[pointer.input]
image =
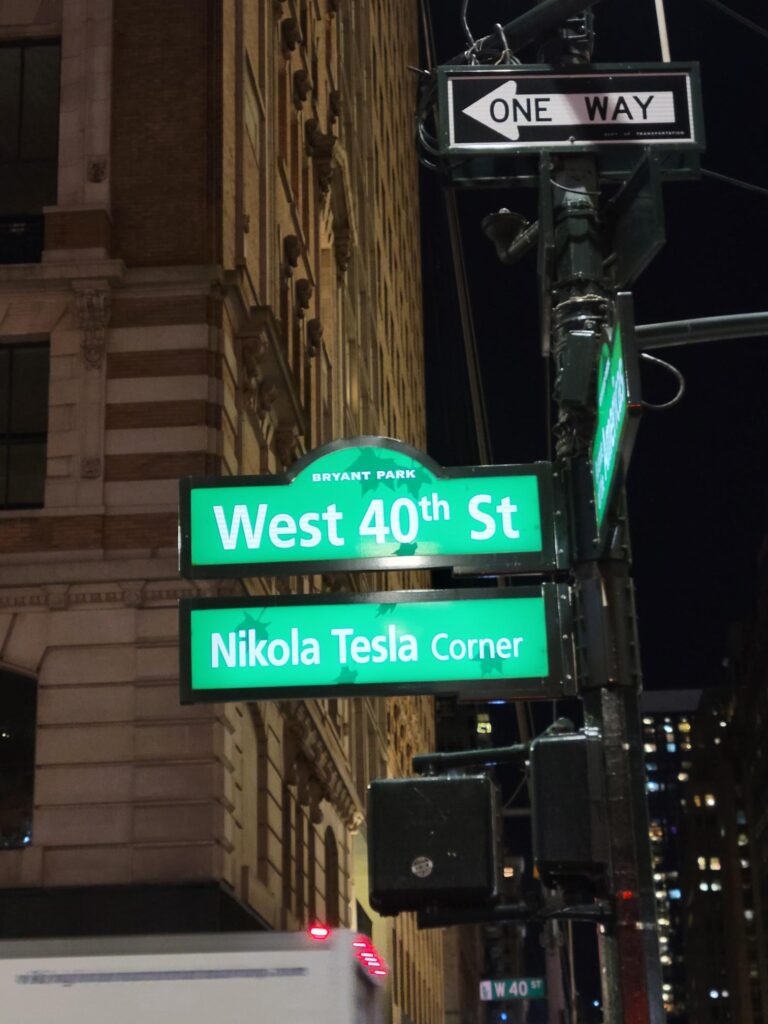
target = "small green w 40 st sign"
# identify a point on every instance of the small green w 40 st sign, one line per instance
(504, 989)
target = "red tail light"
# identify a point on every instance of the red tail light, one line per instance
(367, 955)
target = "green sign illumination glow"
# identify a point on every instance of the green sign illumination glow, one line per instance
(487, 642)
(368, 503)
(611, 417)
(615, 404)
(512, 988)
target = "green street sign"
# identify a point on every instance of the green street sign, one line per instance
(370, 503)
(504, 989)
(486, 643)
(618, 406)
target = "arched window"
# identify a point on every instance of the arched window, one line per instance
(287, 837)
(18, 708)
(262, 797)
(299, 884)
(332, 915)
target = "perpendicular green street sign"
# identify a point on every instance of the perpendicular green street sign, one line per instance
(503, 989)
(485, 643)
(370, 503)
(618, 407)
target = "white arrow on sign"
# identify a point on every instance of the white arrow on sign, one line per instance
(505, 112)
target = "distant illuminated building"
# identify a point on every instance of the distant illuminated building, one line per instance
(748, 671)
(667, 745)
(721, 942)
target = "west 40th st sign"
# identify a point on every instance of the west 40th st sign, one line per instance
(370, 503)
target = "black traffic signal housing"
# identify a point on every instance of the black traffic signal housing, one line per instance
(568, 812)
(433, 842)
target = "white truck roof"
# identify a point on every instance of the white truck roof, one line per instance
(264, 977)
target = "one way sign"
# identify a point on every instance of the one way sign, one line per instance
(536, 108)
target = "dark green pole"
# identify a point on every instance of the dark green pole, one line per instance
(582, 306)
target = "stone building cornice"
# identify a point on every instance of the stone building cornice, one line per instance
(315, 766)
(116, 593)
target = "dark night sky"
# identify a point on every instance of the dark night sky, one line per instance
(698, 482)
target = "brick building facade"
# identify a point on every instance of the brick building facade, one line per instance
(209, 264)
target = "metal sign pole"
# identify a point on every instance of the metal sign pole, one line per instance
(583, 308)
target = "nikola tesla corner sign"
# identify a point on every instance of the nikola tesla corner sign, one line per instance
(369, 504)
(477, 643)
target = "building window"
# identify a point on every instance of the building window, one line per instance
(18, 710)
(23, 423)
(29, 141)
(332, 915)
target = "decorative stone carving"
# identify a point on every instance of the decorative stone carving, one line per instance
(268, 388)
(132, 593)
(286, 445)
(94, 308)
(291, 253)
(316, 793)
(254, 350)
(325, 781)
(90, 468)
(290, 35)
(314, 337)
(303, 776)
(320, 146)
(57, 596)
(334, 105)
(267, 395)
(342, 238)
(302, 86)
(337, 583)
(97, 170)
(253, 382)
(304, 292)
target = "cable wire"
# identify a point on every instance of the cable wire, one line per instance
(661, 21)
(516, 793)
(739, 17)
(429, 42)
(735, 181)
(676, 373)
(578, 191)
(465, 25)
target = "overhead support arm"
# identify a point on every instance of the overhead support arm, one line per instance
(710, 328)
(534, 24)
